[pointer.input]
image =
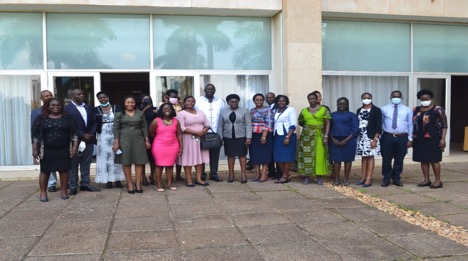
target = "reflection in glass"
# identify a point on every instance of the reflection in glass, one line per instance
(183, 84)
(16, 96)
(196, 42)
(98, 41)
(21, 41)
(65, 85)
(365, 46)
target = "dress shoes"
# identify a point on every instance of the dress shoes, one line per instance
(385, 184)
(52, 189)
(73, 191)
(44, 199)
(216, 178)
(436, 187)
(109, 185)
(397, 183)
(118, 184)
(203, 176)
(89, 188)
(427, 184)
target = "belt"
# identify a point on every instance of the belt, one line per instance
(396, 134)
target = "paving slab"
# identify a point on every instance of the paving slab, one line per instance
(210, 238)
(304, 250)
(428, 245)
(17, 247)
(192, 210)
(317, 215)
(73, 226)
(258, 219)
(64, 257)
(408, 199)
(363, 213)
(363, 249)
(31, 215)
(327, 232)
(165, 254)
(67, 244)
(339, 203)
(154, 223)
(437, 208)
(456, 220)
(202, 222)
(274, 234)
(235, 207)
(233, 253)
(141, 241)
(85, 213)
(391, 227)
(12, 228)
(245, 196)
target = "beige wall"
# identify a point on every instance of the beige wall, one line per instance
(302, 41)
(412, 9)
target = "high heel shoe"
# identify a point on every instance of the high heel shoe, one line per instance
(230, 179)
(283, 180)
(427, 184)
(360, 182)
(131, 191)
(243, 181)
(366, 185)
(263, 179)
(139, 190)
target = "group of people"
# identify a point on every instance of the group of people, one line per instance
(170, 134)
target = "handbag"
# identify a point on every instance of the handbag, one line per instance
(210, 140)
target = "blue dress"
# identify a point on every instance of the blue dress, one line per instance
(342, 125)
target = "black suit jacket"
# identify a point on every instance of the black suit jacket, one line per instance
(81, 127)
(375, 121)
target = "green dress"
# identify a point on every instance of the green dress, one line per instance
(312, 158)
(131, 132)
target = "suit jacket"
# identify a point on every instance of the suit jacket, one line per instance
(81, 127)
(375, 121)
(242, 124)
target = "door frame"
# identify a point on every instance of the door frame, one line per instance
(448, 96)
(96, 79)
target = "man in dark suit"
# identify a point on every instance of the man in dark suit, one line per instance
(82, 115)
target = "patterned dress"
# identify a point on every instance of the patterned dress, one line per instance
(106, 169)
(262, 119)
(312, 158)
(363, 142)
(427, 133)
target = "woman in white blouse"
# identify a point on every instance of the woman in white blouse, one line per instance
(284, 141)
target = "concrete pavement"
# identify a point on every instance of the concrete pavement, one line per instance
(253, 221)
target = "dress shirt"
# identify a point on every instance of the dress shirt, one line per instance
(211, 109)
(404, 119)
(82, 109)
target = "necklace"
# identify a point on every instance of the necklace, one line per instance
(314, 108)
(167, 122)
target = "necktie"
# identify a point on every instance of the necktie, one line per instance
(395, 116)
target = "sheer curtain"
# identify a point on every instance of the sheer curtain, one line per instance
(246, 86)
(15, 111)
(352, 87)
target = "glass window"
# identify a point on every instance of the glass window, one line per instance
(18, 95)
(365, 46)
(98, 41)
(222, 43)
(246, 86)
(21, 41)
(440, 48)
(352, 87)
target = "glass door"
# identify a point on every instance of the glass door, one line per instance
(182, 81)
(62, 83)
(440, 85)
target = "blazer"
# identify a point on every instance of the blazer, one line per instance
(375, 121)
(97, 116)
(242, 125)
(81, 127)
(284, 121)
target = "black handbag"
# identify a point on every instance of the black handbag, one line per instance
(210, 140)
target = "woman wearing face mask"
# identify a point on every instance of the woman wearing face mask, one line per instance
(430, 128)
(106, 170)
(368, 144)
(145, 104)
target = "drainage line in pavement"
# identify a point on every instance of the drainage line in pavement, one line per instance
(455, 233)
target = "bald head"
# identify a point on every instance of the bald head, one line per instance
(46, 95)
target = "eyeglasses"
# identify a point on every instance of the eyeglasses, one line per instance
(55, 105)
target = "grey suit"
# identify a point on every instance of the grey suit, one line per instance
(242, 124)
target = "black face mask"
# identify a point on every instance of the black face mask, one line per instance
(145, 102)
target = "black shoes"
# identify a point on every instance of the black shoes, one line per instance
(52, 189)
(215, 178)
(385, 183)
(397, 183)
(44, 199)
(73, 191)
(436, 187)
(109, 185)
(118, 184)
(427, 184)
(89, 188)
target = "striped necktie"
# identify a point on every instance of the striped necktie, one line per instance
(395, 117)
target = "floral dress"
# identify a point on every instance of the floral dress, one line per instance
(363, 142)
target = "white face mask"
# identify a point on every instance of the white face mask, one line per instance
(366, 101)
(396, 101)
(426, 103)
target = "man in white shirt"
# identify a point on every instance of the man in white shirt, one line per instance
(211, 106)
(396, 138)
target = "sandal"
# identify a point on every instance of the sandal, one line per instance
(336, 183)
(173, 188)
(159, 189)
(283, 180)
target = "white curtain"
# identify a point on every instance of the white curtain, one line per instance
(352, 87)
(246, 86)
(15, 112)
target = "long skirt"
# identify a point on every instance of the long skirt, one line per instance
(312, 156)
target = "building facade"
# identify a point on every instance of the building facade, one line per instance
(342, 48)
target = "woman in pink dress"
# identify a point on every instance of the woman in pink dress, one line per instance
(194, 125)
(167, 144)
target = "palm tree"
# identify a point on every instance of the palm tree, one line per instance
(253, 55)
